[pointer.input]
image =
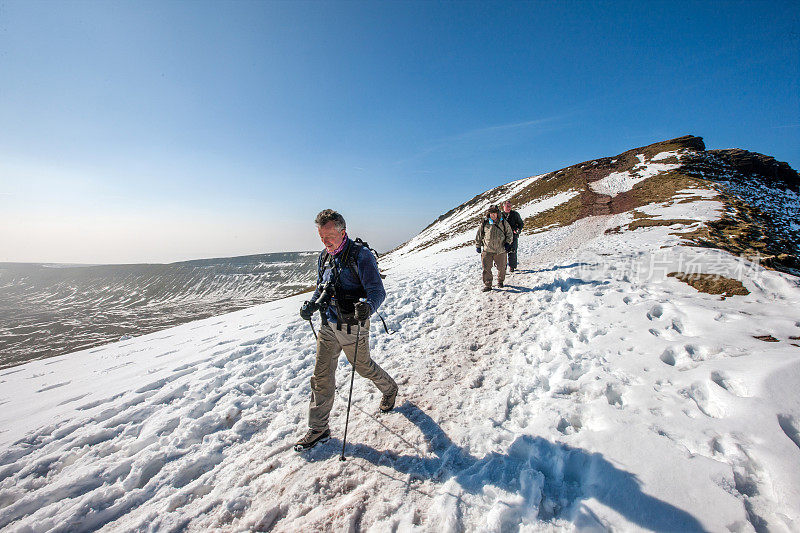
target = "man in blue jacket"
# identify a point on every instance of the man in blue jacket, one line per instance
(349, 290)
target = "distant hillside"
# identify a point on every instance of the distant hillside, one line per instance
(759, 194)
(48, 310)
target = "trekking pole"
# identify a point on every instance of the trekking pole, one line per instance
(350, 397)
(311, 323)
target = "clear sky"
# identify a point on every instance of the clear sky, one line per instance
(160, 131)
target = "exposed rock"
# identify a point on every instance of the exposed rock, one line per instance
(595, 204)
(770, 170)
(712, 284)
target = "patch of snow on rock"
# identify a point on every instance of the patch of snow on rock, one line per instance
(545, 204)
(619, 182)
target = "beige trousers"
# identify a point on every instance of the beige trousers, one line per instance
(499, 260)
(330, 342)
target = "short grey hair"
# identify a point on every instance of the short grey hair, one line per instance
(329, 215)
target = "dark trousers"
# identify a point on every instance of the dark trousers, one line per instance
(499, 260)
(512, 255)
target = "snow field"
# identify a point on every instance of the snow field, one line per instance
(592, 392)
(618, 182)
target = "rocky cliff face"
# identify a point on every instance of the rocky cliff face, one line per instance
(760, 167)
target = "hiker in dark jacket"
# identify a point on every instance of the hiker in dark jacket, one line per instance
(352, 272)
(493, 242)
(515, 221)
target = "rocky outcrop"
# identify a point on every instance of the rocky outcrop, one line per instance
(751, 164)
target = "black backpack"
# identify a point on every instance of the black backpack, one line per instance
(350, 260)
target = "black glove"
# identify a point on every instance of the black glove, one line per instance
(478, 248)
(509, 247)
(363, 310)
(307, 310)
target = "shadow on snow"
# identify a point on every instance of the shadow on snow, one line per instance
(560, 284)
(551, 269)
(551, 478)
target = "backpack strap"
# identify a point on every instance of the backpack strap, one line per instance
(499, 224)
(352, 263)
(321, 260)
(351, 257)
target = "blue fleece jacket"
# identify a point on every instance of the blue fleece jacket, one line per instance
(370, 278)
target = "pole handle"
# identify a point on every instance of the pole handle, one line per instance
(362, 322)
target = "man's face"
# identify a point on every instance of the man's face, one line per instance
(330, 236)
(507, 207)
(493, 215)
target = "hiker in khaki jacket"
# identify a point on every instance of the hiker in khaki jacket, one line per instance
(495, 237)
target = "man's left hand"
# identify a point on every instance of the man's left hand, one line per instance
(363, 310)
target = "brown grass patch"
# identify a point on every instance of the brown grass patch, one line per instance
(658, 189)
(712, 284)
(766, 338)
(643, 220)
(561, 215)
(652, 222)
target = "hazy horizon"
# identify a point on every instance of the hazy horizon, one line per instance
(61, 264)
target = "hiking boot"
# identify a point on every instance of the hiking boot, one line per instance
(387, 402)
(311, 439)
(500, 284)
(487, 289)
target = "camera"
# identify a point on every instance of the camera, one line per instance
(326, 292)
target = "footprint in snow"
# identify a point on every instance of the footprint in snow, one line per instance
(655, 312)
(724, 381)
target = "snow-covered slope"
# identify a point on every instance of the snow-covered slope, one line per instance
(48, 310)
(593, 392)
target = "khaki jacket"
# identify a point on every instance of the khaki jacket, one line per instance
(493, 237)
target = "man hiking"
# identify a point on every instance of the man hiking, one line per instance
(515, 221)
(493, 242)
(349, 290)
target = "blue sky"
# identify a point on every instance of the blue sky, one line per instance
(160, 131)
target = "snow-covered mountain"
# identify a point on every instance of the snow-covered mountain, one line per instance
(634, 374)
(48, 310)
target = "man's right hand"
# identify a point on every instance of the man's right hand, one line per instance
(478, 248)
(307, 310)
